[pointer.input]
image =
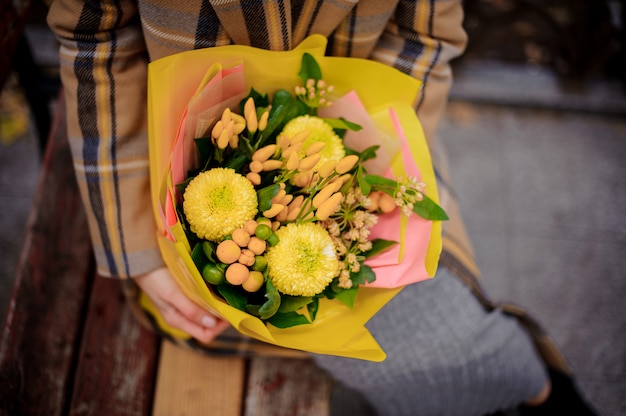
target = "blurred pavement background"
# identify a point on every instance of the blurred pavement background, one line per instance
(536, 137)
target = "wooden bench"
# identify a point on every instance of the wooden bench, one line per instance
(71, 346)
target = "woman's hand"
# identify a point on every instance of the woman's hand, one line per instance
(177, 309)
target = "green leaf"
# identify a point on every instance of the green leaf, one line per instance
(236, 162)
(313, 307)
(365, 274)
(183, 185)
(276, 119)
(299, 109)
(192, 237)
(342, 124)
(260, 100)
(205, 148)
(253, 310)
(364, 185)
(232, 296)
(369, 153)
(428, 209)
(379, 181)
(283, 98)
(329, 292)
(348, 296)
(208, 248)
(341, 133)
(293, 303)
(270, 307)
(310, 68)
(198, 257)
(379, 245)
(370, 276)
(265, 196)
(282, 106)
(288, 319)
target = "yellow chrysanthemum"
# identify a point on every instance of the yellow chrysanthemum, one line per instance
(304, 262)
(320, 132)
(218, 201)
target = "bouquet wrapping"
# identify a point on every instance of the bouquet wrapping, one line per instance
(188, 93)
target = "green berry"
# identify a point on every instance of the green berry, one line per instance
(213, 274)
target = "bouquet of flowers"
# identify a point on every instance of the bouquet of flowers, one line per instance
(290, 202)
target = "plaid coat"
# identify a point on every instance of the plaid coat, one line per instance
(107, 44)
(105, 48)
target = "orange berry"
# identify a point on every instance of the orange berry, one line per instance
(264, 153)
(237, 273)
(292, 148)
(386, 203)
(254, 281)
(314, 148)
(279, 195)
(345, 164)
(246, 257)
(263, 120)
(254, 178)
(273, 211)
(325, 193)
(217, 130)
(293, 161)
(228, 251)
(326, 169)
(282, 215)
(282, 141)
(256, 166)
(309, 162)
(374, 198)
(299, 137)
(250, 226)
(272, 164)
(301, 180)
(257, 245)
(329, 206)
(241, 237)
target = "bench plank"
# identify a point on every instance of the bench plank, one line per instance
(287, 387)
(42, 328)
(118, 358)
(189, 383)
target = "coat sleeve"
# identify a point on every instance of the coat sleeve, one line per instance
(421, 39)
(104, 76)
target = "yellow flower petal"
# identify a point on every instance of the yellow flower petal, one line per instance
(303, 262)
(218, 201)
(320, 131)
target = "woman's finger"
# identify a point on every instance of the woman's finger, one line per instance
(191, 310)
(176, 319)
(177, 309)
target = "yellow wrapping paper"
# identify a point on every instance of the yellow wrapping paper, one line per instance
(172, 83)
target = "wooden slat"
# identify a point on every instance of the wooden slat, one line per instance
(118, 358)
(287, 387)
(44, 319)
(190, 384)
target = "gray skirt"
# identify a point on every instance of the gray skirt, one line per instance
(446, 355)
